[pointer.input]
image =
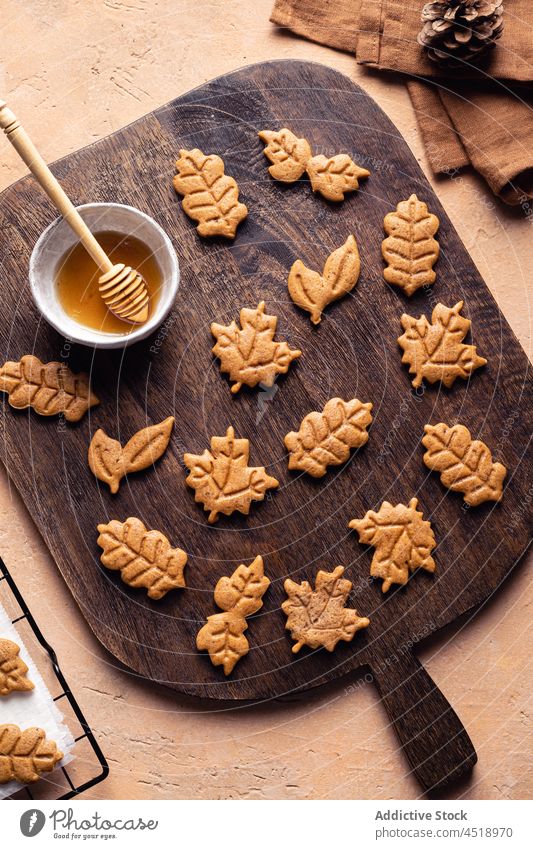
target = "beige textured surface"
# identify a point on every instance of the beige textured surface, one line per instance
(74, 72)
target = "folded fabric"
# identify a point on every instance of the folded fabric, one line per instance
(334, 24)
(387, 31)
(490, 127)
(468, 116)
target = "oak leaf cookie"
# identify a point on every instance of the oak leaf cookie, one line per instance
(13, 670)
(25, 755)
(333, 176)
(313, 291)
(403, 540)
(144, 558)
(410, 249)
(223, 481)
(238, 596)
(465, 464)
(325, 439)
(249, 353)
(436, 351)
(209, 195)
(318, 617)
(289, 155)
(110, 462)
(50, 388)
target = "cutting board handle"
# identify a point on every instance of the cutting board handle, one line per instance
(432, 736)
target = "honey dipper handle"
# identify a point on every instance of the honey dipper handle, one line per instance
(40, 170)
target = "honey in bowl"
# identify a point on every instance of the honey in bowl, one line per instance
(77, 278)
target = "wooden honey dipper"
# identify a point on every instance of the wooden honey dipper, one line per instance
(122, 288)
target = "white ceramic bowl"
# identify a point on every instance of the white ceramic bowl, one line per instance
(58, 238)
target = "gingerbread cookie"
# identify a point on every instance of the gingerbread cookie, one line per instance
(13, 670)
(109, 462)
(318, 617)
(49, 388)
(313, 291)
(238, 596)
(249, 353)
(143, 558)
(223, 481)
(289, 155)
(25, 755)
(209, 195)
(410, 249)
(325, 439)
(333, 176)
(403, 540)
(465, 464)
(436, 351)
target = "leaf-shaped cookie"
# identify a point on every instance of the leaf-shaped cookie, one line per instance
(13, 670)
(289, 155)
(333, 176)
(223, 481)
(318, 617)
(313, 291)
(210, 196)
(325, 438)
(238, 596)
(223, 637)
(465, 465)
(249, 353)
(244, 589)
(25, 755)
(410, 249)
(403, 540)
(436, 351)
(50, 388)
(109, 462)
(144, 558)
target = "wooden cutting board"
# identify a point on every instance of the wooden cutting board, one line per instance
(353, 353)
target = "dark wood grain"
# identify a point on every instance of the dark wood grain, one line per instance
(433, 737)
(353, 353)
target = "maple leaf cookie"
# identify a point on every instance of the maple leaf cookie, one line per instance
(318, 617)
(223, 481)
(249, 353)
(436, 351)
(403, 540)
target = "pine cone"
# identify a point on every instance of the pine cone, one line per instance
(457, 31)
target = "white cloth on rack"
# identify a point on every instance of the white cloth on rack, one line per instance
(33, 708)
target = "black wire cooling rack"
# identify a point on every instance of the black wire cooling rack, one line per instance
(89, 765)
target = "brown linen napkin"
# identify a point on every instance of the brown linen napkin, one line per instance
(491, 128)
(387, 40)
(477, 120)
